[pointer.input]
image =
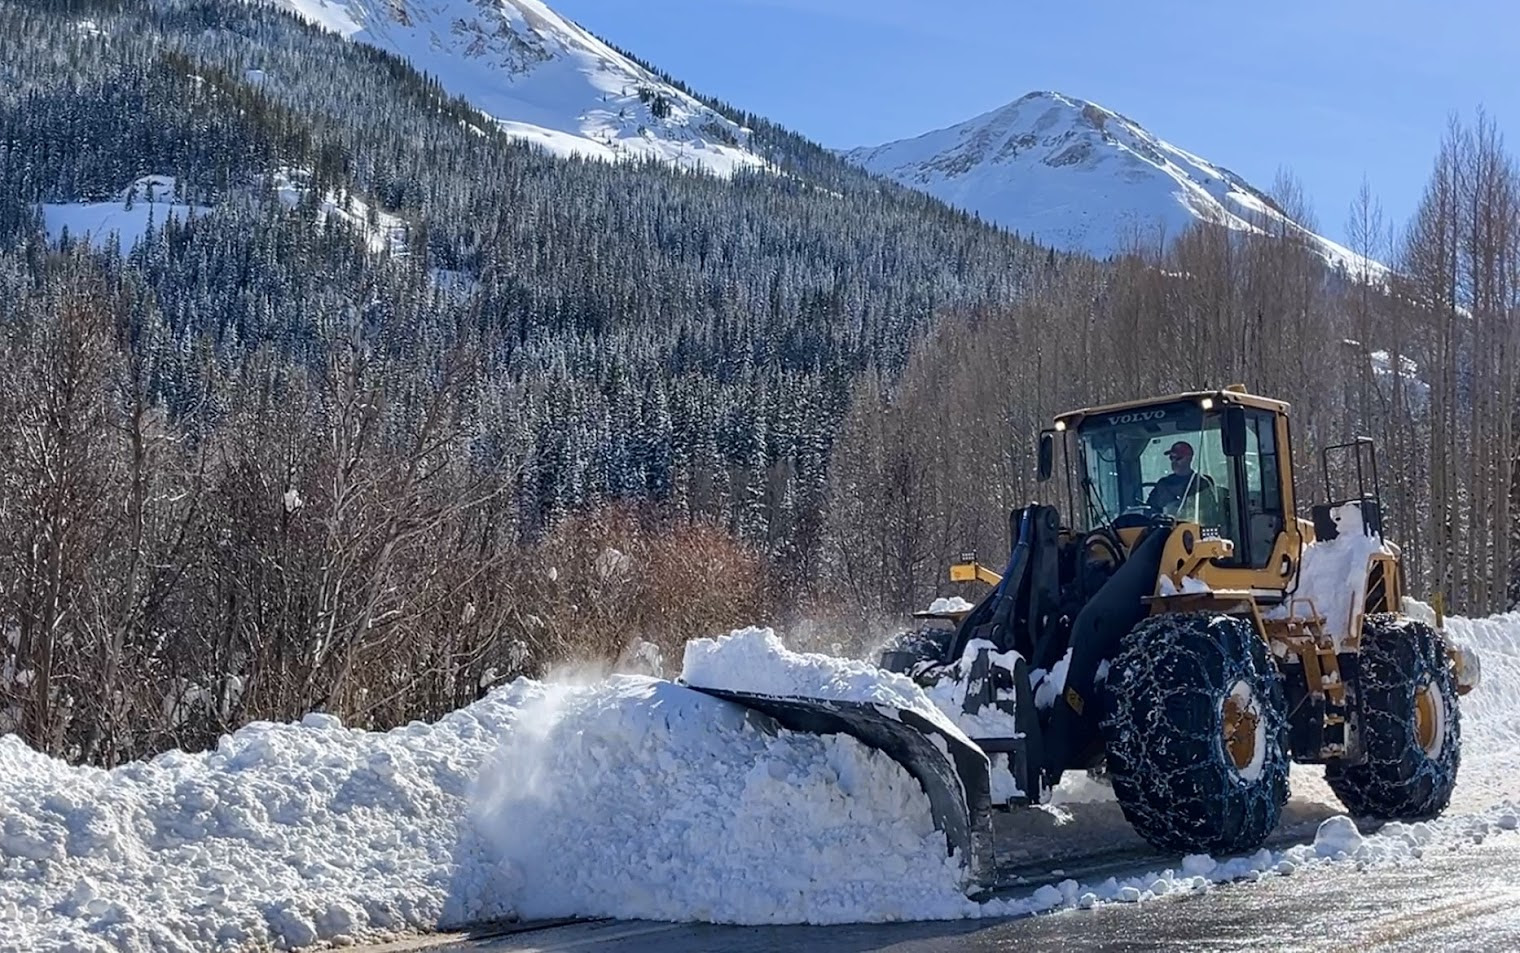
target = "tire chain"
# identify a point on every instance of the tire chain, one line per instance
(1398, 780)
(1174, 780)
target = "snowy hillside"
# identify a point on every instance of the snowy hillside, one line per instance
(1077, 176)
(542, 77)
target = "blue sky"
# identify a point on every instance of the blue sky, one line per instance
(1331, 90)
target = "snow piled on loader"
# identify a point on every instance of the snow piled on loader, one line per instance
(755, 660)
(628, 796)
(1334, 574)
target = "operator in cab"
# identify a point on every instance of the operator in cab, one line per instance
(1173, 488)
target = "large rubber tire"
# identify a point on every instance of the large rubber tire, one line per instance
(1412, 756)
(1197, 734)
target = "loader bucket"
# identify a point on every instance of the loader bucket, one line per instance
(955, 774)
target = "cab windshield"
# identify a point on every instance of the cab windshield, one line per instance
(1167, 459)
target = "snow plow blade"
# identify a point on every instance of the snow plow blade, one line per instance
(954, 774)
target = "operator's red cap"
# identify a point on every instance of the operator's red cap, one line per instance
(1180, 449)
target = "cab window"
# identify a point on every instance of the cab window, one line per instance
(1264, 505)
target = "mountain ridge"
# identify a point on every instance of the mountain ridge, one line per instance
(543, 79)
(1079, 176)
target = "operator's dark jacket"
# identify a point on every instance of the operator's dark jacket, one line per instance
(1169, 489)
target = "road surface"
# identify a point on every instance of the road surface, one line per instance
(1463, 896)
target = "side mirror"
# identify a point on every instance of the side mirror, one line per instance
(1233, 430)
(1046, 455)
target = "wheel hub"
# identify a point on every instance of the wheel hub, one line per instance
(1239, 728)
(1429, 719)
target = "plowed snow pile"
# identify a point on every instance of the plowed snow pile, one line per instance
(627, 797)
(639, 798)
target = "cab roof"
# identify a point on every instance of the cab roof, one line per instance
(1235, 394)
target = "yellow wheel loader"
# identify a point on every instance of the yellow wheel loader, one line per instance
(1182, 630)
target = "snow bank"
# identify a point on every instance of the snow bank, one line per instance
(627, 797)
(284, 835)
(1490, 770)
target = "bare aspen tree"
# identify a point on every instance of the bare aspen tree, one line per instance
(1491, 253)
(1430, 261)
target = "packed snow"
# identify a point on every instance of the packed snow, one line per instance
(1189, 584)
(949, 695)
(1078, 176)
(1048, 686)
(624, 796)
(987, 721)
(543, 79)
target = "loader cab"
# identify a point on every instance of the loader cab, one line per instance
(1234, 482)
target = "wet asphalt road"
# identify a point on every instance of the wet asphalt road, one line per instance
(1458, 897)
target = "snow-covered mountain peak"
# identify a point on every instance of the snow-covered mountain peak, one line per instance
(1076, 175)
(543, 78)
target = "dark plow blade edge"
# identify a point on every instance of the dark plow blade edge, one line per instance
(958, 785)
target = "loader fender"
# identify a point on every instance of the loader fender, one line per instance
(1095, 635)
(955, 774)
